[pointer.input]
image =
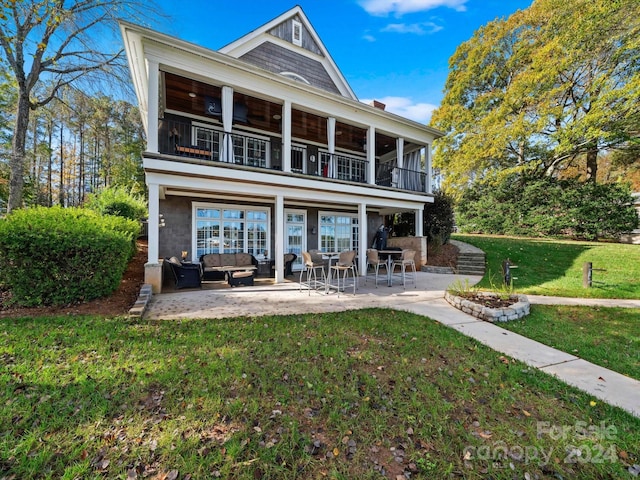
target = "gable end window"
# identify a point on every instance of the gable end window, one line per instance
(296, 33)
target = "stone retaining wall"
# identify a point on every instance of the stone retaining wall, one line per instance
(513, 312)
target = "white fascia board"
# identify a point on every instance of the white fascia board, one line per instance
(211, 178)
(137, 67)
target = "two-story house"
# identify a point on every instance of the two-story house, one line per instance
(262, 146)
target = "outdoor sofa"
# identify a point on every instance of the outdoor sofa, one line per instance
(239, 268)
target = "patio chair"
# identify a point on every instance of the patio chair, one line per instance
(186, 275)
(319, 258)
(310, 268)
(405, 261)
(289, 258)
(344, 265)
(374, 261)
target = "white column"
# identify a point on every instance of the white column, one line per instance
(227, 124)
(152, 106)
(331, 134)
(428, 171)
(419, 216)
(286, 136)
(331, 145)
(153, 223)
(371, 155)
(400, 152)
(363, 244)
(279, 238)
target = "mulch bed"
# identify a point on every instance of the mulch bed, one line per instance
(489, 301)
(443, 256)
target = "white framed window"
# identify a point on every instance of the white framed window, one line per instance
(252, 151)
(296, 33)
(338, 231)
(206, 138)
(298, 158)
(221, 228)
(343, 167)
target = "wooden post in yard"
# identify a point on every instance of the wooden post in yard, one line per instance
(587, 274)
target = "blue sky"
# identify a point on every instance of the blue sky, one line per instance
(394, 51)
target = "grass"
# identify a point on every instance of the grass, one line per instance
(365, 394)
(554, 267)
(609, 337)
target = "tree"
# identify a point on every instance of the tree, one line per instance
(48, 44)
(546, 87)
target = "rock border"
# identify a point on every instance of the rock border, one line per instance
(505, 314)
(138, 309)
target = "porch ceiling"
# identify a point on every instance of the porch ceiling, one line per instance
(187, 95)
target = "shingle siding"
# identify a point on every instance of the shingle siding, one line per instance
(277, 59)
(284, 31)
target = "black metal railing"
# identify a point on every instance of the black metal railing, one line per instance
(388, 175)
(198, 142)
(343, 167)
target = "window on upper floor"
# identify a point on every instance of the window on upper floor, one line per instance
(296, 33)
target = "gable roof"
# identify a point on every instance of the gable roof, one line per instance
(271, 47)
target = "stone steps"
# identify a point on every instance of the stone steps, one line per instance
(471, 260)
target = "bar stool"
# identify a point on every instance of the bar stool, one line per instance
(344, 265)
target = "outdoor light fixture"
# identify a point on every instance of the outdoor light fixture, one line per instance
(192, 94)
(277, 117)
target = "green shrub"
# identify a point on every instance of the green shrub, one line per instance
(58, 256)
(525, 205)
(439, 219)
(119, 202)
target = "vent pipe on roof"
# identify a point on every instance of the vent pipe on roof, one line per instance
(378, 104)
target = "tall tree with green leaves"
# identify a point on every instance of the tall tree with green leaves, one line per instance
(535, 92)
(48, 44)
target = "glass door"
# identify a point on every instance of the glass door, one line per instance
(295, 237)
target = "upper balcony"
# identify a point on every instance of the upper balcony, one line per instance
(256, 132)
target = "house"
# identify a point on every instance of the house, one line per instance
(263, 147)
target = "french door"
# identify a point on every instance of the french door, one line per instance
(295, 237)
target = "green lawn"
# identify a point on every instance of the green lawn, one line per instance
(365, 394)
(554, 267)
(609, 337)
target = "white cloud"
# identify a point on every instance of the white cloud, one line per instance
(405, 107)
(423, 28)
(368, 37)
(400, 7)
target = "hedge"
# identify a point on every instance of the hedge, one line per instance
(60, 256)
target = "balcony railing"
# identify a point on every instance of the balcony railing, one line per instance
(202, 143)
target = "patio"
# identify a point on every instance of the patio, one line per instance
(218, 300)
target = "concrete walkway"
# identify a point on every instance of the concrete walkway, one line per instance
(426, 298)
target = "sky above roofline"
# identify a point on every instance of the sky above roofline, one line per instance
(393, 51)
